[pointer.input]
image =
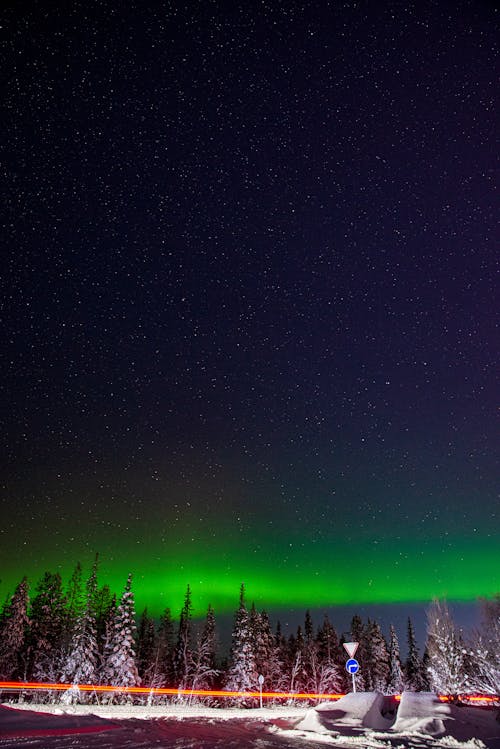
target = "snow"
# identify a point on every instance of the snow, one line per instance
(359, 721)
(352, 714)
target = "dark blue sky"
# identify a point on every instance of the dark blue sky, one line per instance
(248, 296)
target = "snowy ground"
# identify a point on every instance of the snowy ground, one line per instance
(357, 721)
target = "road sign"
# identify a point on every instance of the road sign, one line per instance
(352, 666)
(261, 679)
(351, 648)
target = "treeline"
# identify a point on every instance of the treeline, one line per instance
(84, 634)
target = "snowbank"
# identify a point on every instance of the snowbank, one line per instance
(421, 712)
(422, 721)
(349, 716)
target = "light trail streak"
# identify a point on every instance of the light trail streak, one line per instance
(20, 686)
(165, 691)
(486, 698)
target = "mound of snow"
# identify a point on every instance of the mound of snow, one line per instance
(352, 713)
(316, 721)
(424, 714)
(421, 712)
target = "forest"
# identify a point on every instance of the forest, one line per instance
(82, 633)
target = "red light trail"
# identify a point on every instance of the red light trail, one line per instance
(19, 686)
(165, 691)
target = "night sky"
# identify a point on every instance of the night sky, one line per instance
(248, 299)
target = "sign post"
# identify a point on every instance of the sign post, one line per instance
(261, 681)
(352, 666)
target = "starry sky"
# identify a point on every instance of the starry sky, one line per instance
(247, 299)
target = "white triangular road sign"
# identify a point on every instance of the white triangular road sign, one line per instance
(351, 648)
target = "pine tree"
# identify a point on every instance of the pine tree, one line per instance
(14, 635)
(184, 647)
(108, 638)
(448, 666)
(328, 676)
(101, 606)
(75, 601)
(203, 667)
(320, 671)
(415, 680)
(425, 670)
(377, 659)
(119, 668)
(484, 649)
(279, 637)
(48, 619)
(395, 683)
(309, 648)
(358, 634)
(4, 610)
(328, 641)
(267, 661)
(285, 652)
(308, 627)
(208, 644)
(163, 669)
(242, 672)
(146, 648)
(297, 674)
(81, 661)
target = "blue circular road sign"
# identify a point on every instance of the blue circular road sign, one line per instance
(352, 666)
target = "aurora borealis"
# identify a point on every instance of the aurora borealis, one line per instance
(248, 301)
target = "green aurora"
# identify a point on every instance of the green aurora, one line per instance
(302, 576)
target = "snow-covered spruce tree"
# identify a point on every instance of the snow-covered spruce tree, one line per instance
(310, 658)
(328, 641)
(321, 671)
(295, 666)
(48, 619)
(107, 644)
(359, 634)
(490, 626)
(484, 649)
(395, 682)
(267, 661)
(3, 610)
(101, 604)
(14, 635)
(75, 599)
(242, 671)
(203, 669)
(308, 628)
(447, 655)
(119, 668)
(415, 678)
(163, 671)
(332, 678)
(425, 669)
(184, 647)
(281, 644)
(80, 663)
(146, 647)
(292, 660)
(285, 654)
(377, 659)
